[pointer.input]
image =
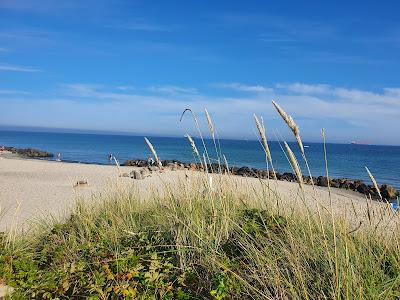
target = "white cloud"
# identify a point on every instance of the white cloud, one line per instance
(347, 114)
(170, 89)
(12, 68)
(13, 92)
(242, 87)
(126, 88)
(303, 88)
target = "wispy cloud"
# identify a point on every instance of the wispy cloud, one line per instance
(13, 68)
(13, 92)
(242, 87)
(303, 88)
(170, 89)
(388, 96)
(126, 88)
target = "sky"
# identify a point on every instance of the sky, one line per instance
(134, 66)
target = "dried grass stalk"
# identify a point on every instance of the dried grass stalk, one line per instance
(292, 125)
(194, 148)
(226, 164)
(154, 153)
(374, 182)
(294, 164)
(210, 124)
(264, 141)
(199, 131)
(118, 167)
(212, 131)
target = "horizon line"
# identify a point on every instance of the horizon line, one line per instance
(40, 129)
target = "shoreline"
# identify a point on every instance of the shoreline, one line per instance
(388, 192)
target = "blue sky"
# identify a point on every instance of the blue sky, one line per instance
(133, 66)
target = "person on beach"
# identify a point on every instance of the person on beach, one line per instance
(58, 156)
(150, 161)
(110, 158)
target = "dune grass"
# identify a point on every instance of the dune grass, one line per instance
(203, 241)
(197, 244)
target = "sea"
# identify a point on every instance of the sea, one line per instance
(344, 160)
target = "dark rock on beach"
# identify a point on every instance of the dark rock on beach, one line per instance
(388, 192)
(362, 188)
(29, 152)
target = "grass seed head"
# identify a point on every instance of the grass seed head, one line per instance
(153, 151)
(294, 164)
(374, 182)
(291, 124)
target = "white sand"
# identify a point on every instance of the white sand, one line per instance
(32, 189)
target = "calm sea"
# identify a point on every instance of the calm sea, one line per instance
(345, 160)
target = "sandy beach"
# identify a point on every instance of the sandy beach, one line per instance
(35, 189)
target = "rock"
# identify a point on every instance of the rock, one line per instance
(363, 189)
(354, 184)
(135, 163)
(135, 174)
(307, 180)
(334, 183)
(244, 171)
(388, 192)
(192, 167)
(30, 152)
(144, 172)
(153, 168)
(344, 183)
(322, 181)
(288, 177)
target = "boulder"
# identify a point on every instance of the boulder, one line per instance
(30, 152)
(135, 174)
(322, 181)
(388, 192)
(144, 172)
(288, 177)
(192, 167)
(244, 171)
(135, 163)
(344, 183)
(354, 184)
(334, 183)
(363, 189)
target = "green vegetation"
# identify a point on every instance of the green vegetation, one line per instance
(196, 244)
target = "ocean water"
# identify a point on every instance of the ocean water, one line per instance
(344, 160)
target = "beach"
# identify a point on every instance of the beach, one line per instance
(32, 190)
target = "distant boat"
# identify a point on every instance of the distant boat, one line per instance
(306, 146)
(359, 143)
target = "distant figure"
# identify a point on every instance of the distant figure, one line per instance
(2, 148)
(58, 156)
(110, 158)
(150, 161)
